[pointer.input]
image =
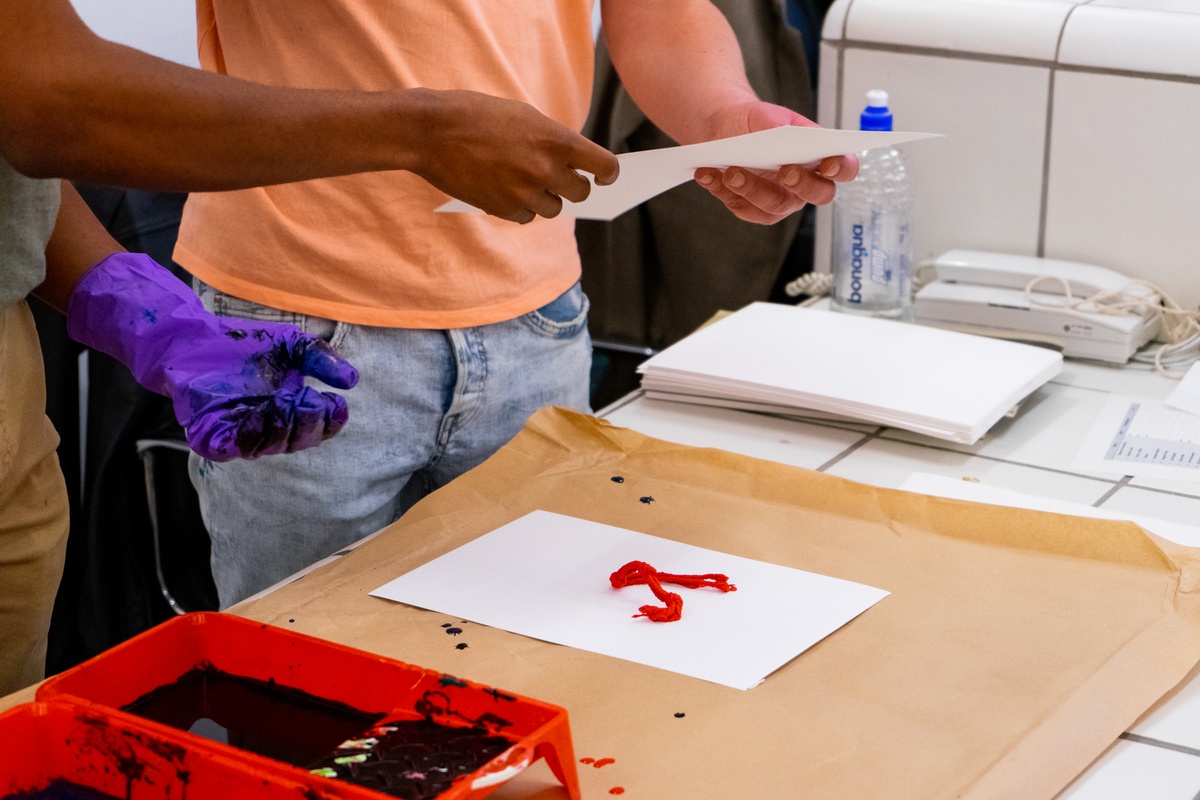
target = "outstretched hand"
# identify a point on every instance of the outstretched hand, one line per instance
(507, 158)
(764, 196)
(237, 386)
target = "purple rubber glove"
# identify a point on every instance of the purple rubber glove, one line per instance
(237, 385)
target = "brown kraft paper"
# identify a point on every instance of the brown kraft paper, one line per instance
(1015, 645)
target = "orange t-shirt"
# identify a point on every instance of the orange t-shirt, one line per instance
(369, 248)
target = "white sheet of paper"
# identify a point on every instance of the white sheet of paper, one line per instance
(546, 576)
(1141, 437)
(939, 486)
(1186, 396)
(648, 173)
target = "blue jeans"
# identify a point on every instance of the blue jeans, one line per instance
(430, 405)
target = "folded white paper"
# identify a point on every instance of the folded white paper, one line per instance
(648, 173)
(1186, 396)
(941, 383)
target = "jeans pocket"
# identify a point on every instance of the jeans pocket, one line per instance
(226, 305)
(564, 317)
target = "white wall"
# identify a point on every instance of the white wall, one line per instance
(165, 28)
(1071, 125)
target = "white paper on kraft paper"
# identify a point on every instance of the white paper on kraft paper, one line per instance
(648, 173)
(546, 576)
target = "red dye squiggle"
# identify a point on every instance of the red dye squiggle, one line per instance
(636, 573)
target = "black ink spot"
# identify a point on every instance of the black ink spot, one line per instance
(235, 334)
(454, 631)
(291, 620)
(679, 715)
(460, 646)
(647, 499)
(617, 479)
(445, 624)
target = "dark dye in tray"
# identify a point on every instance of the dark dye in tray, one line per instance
(413, 759)
(260, 716)
(60, 789)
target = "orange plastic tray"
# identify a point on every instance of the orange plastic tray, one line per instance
(326, 670)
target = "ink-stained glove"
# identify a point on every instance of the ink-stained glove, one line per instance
(237, 385)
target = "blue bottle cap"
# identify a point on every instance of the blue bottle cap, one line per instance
(876, 116)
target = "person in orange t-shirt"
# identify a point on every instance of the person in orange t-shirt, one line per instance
(461, 325)
(75, 106)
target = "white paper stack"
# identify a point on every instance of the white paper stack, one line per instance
(797, 360)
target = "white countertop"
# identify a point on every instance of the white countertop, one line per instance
(1160, 756)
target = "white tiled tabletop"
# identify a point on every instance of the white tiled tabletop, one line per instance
(1032, 453)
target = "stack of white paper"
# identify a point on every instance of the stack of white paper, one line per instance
(781, 358)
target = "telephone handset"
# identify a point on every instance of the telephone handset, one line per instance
(1010, 271)
(1025, 298)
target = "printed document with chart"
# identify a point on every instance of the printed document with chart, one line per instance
(1142, 437)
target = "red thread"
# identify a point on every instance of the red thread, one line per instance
(636, 573)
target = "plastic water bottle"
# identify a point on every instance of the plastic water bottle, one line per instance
(872, 245)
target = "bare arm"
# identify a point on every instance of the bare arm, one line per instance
(77, 106)
(78, 243)
(680, 62)
(682, 65)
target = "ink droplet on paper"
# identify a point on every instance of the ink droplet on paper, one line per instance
(460, 646)
(445, 624)
(679, 715)
(617, 790)
(454, 631)
(604, 762)
(291, 620)
(587, 761)
(617, 479)
(647, 499)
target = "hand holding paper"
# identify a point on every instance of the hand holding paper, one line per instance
(506, 157)
(648, 173)
(769, 196)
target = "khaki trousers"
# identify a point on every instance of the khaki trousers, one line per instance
(33, 505)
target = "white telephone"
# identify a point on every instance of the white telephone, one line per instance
(1027, 298)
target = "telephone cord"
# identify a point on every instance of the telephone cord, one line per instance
(1179, 329)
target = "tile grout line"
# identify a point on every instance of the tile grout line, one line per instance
(1044, 208)
(1121, 484)
(620, 403)
(999, 460)
(992, 58)
(870, 437)
(1146, 740)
